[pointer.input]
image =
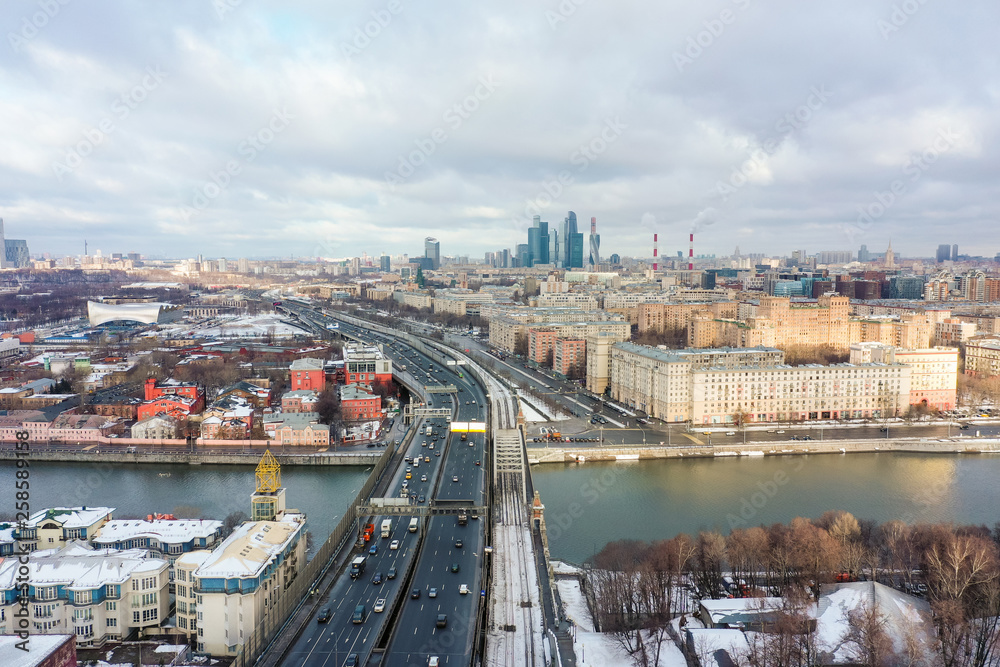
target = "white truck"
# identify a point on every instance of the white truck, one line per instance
(413, 525)
(429, 431)
(386, 527)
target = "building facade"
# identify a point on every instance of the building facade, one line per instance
(307, 374)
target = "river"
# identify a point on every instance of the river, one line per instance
(586, 505)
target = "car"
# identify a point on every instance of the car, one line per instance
(359, 614)
(706, 433)
(421, 498)
(730, 432)
(391, 574)
(373, 549)
(409, 475)
(433, 661)
(353, 660)
(379, 605)
(394, 545)
(463, 589)
(415, 593)
(780, 431)
(377, 579)
(442, 620)
(432, 593)
(427, 459)
(430, 446)
(471, 443)
(454, 567)
(964, 427)
(423, 478)
(454, 478)
(458, 544)
(466, 402)
(437, 453)
(423, 444)
(325, 615)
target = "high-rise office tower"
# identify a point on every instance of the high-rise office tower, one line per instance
(432, 251)
(943, 252)
(3, 247)
(954, 253)
(595, 244)
(523, 255)
(863, 254)
(572, 243)
(385, 263)
(538, 242)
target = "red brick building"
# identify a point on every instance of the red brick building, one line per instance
(357, 403)
(307, 373)
(570, 357)
(541, 345)
(366, 364)
(154, 389)
(177, 406)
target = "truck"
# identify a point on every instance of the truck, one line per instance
(368, 531)
(413, 525)
(429, 431)
(386, 527)
(357, 567)
(463, 518)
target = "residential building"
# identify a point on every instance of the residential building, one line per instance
(358, 403)
(982, 356)
(255, 395)
(570, 357)
(933, 376)
(302, 429)
(299, 400)
(166, 538)
(953, 331)
(728, 385)
(45, 650)
(224, 594)
(158, 427)
(97, 595)
(307, 374)
(70, 427)
(177, 406)
(541, 345)
(55, 527)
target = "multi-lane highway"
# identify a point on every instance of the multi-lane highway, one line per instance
(442, 555)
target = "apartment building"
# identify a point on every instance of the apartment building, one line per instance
(541, 345)
(222, 595)
(357, 402)
(567, 300)
(570, 357)
(299, 400)
(666, 316)
(163, 538)
(753, 385)
(97, 595)
(954, 331)
(598, 360)
(934, 371)
(55, 527)
(505, 331)
(982, 356)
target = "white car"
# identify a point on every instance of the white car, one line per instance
(463, 589)
(379, 605)
(394, 545)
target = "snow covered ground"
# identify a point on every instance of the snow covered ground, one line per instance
(594, 649)
(539, 411)
(233, 326)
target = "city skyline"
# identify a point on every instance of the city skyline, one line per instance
(235, 127)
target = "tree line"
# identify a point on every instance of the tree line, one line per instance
(639, 587)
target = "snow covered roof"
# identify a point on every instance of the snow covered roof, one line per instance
(251, 547)
(902, 614)
(77, 566)
(71, 517)
(730, 611)
(40, 649)
(716, 647)
(307, 364)
(165, 530)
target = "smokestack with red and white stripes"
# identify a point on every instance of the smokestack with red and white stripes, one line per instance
(691, 253)
(656, 252)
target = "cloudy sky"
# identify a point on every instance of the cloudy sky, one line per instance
(310, 128)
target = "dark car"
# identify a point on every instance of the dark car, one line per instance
(325, 615)
(421, 498)
(377, 579)
(458, 544)
(391, 574)
(442, 620)
(415, 593)
(454, 567)
(352, 660)
(373, 549)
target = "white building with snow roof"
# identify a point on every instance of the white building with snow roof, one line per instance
(97, 595)
(224, 594)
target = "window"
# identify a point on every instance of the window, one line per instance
(112, 622)
(111, 606)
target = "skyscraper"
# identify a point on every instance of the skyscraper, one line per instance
(943, 252)
(3, 246)
(863, 254)
(572, 243)
(954, 253)
(890, 257)
(385, 264)
(432, 251)
(538, 242)
(595, 244)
